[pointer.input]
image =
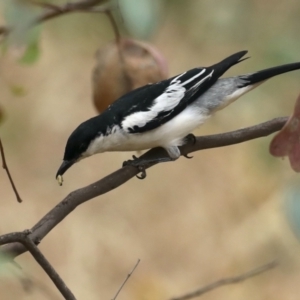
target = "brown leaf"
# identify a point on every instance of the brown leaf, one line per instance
(287, 141)
(123, 67)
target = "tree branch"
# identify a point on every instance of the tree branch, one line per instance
(126, 279)
(54, 11)
(5, 167)
(119, 177)
(79, 6)
(227, 281)
(24, 239)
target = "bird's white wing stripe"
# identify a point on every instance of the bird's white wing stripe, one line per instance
(176, 78)
(198, 83)
(194, 77)
(165, 102)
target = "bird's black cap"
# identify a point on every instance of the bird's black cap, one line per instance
(77, 144)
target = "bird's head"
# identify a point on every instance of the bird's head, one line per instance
(78, 147)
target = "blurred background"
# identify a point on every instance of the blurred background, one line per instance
(191, 222)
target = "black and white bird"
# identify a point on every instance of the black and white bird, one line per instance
(164, 113)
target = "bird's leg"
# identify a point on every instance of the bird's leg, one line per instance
(174, 152)
(141, 163)
(190, 138)
(135, 162)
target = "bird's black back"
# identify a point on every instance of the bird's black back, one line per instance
(142, 99)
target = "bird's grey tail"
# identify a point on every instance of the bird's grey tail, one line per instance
(268, 73)
(221, 67)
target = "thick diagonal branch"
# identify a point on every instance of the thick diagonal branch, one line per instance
(119, 177)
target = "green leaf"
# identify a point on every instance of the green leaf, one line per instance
(140, 16)
(5, 266)
(32, 53)
(18, 90)
(24, 38)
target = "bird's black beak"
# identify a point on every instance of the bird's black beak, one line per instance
(66, 164)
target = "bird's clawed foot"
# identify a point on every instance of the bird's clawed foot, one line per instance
(141, 164)
(135, 162)
(190, 138)
(187, 156)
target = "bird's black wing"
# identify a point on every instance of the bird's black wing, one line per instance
(156, 104)
(153, 105)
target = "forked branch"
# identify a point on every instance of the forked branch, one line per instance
(28, 244)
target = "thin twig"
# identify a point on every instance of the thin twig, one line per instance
(5, 167)
(126, 279)
(26, 241)
(46, 5)
(54, 11)
(119, 177)
(80, 6)
(114, 25)
(227, 281)
(117, 34)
